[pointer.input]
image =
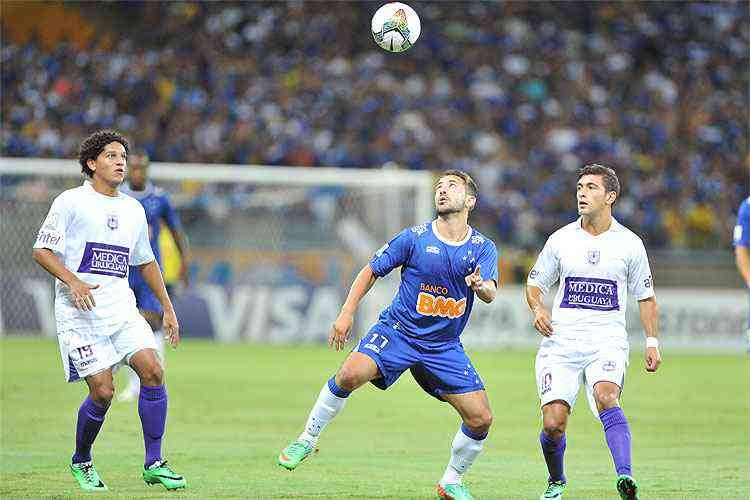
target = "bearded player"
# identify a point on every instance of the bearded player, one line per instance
(444, 265)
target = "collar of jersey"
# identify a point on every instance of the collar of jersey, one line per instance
(90, 187)
(451, 243)
(615, 226)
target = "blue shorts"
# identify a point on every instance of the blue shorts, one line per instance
(145, 299)
(439, 369)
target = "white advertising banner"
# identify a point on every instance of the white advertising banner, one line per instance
(696, 319)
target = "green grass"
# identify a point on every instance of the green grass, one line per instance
(234, 407)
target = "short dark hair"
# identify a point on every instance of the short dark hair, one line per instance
(609, 177)
(141, 153)
(93, 145)
(471, 186)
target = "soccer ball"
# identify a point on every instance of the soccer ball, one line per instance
(395, 27)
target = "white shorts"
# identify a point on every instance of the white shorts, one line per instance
(563, 365)
(86, 353)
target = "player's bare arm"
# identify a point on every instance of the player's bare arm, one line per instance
(152, 276)
(535, 300)
(486, 290)
(742, 258)
(649, 318)
(342, 327)
(80, 291)
(180, 241)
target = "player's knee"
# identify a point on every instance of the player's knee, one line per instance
(152, 375)
(102, 394)
(554, 427)
(606, 399)
(349, 378)
(480, 423)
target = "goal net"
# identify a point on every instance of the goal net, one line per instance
(273, 249)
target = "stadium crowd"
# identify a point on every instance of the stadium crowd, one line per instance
(518, 94)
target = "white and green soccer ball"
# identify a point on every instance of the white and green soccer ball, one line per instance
(395, 27)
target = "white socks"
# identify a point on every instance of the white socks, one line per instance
(463, 452)
(326, 407)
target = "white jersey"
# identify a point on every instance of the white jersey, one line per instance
(96, 237)
(595, 273)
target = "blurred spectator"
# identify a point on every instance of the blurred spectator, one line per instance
(519, 94)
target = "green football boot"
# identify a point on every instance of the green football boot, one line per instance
(627, 487)
(453, 492)
(160, 473)
(555, 489)
(87, 478)
(291, 456)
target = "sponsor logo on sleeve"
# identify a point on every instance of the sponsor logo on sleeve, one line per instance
(590, 293)
(477, 239)
(648, 282)
(432, 249)
(381, 250)
(420, 229)
(107, 260)
(51, 238)
(533, 274)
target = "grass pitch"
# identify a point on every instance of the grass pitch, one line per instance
(234, 407)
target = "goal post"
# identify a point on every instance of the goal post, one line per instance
(273, 248)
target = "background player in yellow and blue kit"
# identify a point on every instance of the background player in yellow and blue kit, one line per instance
(742, 249)
(159, 211)
(444, 264)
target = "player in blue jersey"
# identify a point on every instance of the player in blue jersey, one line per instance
(444, 265)
(159, 210)
(742, 249)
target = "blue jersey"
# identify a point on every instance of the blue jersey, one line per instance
(158, 208)
(433, 302)
(742, 228)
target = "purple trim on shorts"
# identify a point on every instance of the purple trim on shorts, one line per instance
(73, 374)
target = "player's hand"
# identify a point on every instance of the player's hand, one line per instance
(340, 331)
(81, 295)
(542, 321)
(171, 328)
(653, 359)
(185, 274)
(474, 280)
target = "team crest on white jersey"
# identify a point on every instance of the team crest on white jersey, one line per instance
(432, 249)
(112, 221)
(593, 256)
(420, 229)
